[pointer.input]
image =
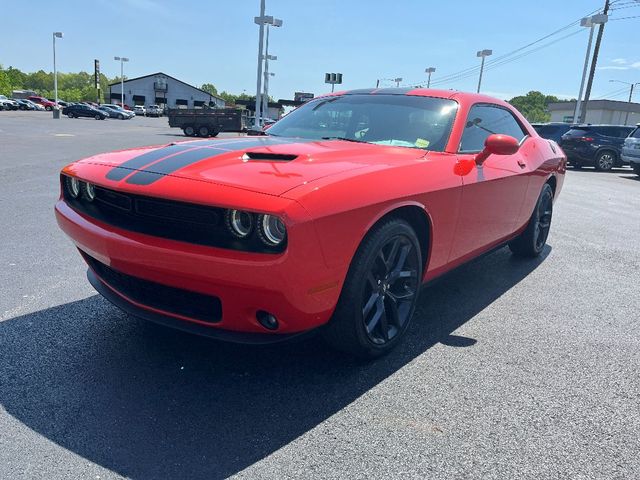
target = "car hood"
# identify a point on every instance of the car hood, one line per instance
(269, 165)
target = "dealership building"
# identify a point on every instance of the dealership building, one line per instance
(164, 90)
(608, 112)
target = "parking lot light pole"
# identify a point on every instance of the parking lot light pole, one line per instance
(122, 60)
(585, 22)
(397, 80)
(55, 70)
(264, 103)
(429, 71)
(632, 86)
(482, 54)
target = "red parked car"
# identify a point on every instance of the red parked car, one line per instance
(331, 220)
(47, 104)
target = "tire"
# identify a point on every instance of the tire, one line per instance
(214, 134)
(120, 116)
(48, 109)
(70, 115)
(203, 131)
(605, 161)
(189, 131)
(636, 168)
(380, 292)
(532, 240)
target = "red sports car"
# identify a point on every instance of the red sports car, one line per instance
(332, 220)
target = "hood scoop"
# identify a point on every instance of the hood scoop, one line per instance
(268, 157)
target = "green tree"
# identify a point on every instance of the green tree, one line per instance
(209, 88)
(533, 105)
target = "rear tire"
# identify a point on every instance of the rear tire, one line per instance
(120, 116)
(203, 131)
(189, 131)
(380, 292)
(532, 240)
(605, 161)
(636, 168)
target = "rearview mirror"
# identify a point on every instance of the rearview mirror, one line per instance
(497, 144)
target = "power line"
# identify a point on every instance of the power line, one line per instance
(464, 73)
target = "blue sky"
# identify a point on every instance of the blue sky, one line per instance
(216, 42)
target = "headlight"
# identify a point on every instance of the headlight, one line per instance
(90, 190)
(272, 230)
(73, 186)
(240, 223)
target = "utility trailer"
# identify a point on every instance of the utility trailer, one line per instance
(208, 122)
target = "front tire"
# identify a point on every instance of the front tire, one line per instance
(120, 117)
(203, 131)
(532, 240)
(380, 292)
(636, 168)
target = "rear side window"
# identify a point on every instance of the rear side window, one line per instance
(485, 120)
(635, 133)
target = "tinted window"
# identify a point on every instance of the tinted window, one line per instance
(395, 120)
(485, 120)
(547, 129)
(635, 133)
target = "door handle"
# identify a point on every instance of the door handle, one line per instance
(522, 163)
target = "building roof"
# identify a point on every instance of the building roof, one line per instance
(615, 105)
(168, 76)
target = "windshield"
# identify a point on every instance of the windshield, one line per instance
(395, 120)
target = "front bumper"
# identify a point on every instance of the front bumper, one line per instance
(296, 286)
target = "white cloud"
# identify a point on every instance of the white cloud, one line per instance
(612, 67)
(619, 61)
(635, 65)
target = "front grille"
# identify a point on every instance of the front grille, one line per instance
(189, 304)
(182, 221)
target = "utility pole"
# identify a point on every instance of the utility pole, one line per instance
(594, 61)
(482, 54)
(261, 22)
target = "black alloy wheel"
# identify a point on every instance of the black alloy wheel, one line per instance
(532, 240)
(380, 292)
(390, 289)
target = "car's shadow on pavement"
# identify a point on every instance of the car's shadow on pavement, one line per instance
(149, 402)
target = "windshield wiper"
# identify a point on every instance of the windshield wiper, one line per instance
(344, 138)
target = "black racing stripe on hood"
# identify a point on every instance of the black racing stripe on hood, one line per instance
(124, 169)
(201, 151)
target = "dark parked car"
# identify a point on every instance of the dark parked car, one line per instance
(26, 104)
(82, 110)
(552, 130)
(595, 145)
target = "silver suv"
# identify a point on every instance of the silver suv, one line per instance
(631, 150)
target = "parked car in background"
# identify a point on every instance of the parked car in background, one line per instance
(115, 112)
(599, 146)
(631, 149)
(9, 104)
(122, 113)
(82, 110)
(26, 104)
(154, 111)
(48, 105)
(140, 110)
(552, 130)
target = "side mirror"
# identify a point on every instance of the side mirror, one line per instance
(497, 144)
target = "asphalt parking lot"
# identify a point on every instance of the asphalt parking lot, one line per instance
(513, 369)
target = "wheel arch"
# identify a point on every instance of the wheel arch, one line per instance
(415, 215)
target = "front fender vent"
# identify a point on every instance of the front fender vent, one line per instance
(269, 157)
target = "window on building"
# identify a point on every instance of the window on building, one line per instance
(161, 101)
(198, 103)
(181, 102)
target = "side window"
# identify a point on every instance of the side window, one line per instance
(635, 133)
(485, 120)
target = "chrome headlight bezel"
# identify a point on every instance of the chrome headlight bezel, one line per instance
(240, 223)
(73, 186)
(272, 230)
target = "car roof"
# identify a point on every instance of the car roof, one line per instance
(468, 97)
